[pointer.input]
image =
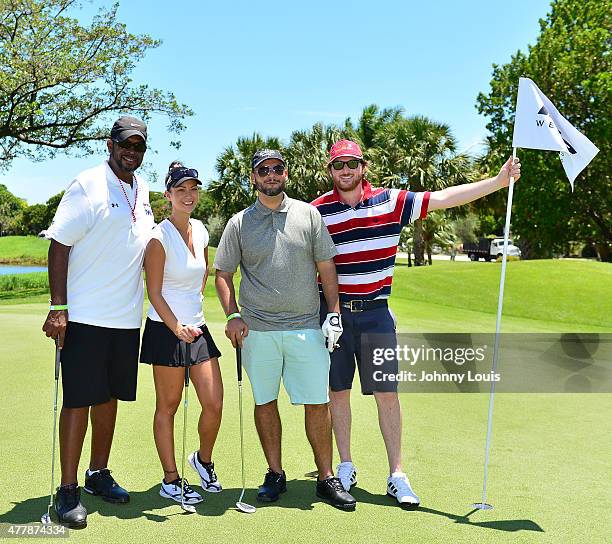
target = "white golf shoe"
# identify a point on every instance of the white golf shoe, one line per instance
(173, 491)
(347, 474)
(398, 486)
(208, 476)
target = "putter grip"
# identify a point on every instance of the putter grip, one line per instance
(239, 362)
(187, 362)
(57, 359)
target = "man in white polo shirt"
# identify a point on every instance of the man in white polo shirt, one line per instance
(98, 237)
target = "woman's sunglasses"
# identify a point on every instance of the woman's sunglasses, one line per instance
(180, 173)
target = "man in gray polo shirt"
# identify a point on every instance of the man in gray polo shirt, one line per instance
(280, 245)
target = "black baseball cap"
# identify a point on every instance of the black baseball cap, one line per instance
(127, 126)
(265, 154)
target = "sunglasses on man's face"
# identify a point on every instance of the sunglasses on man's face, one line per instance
(352, 164)
(140, 147)
(264, 171)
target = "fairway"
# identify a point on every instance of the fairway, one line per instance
(23, 250)
(550, 458)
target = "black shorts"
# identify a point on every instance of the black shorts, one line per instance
(160, 346)
(98, 364)
(365, 334)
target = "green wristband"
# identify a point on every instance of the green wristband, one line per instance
(233, 316)
(58, 307)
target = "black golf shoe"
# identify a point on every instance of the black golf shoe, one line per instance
(70, 512)
(103, 484)
(332, 491)
(274, 484)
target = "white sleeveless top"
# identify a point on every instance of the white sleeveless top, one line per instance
(183, 273)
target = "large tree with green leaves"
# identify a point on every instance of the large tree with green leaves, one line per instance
(572, 63)
(10, 207)
(419, 154)
(62, 83)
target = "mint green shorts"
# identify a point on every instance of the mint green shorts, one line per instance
(299, 357)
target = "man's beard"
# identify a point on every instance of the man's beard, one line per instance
(348, 189)
(129, 168)
(270, 191)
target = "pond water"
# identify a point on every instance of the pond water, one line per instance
(19, 269)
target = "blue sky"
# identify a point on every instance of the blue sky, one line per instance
(275, 67)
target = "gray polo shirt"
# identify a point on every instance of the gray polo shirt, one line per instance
(277, 251)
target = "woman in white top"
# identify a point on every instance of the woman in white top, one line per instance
(176, 265)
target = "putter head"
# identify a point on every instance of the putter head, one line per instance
(46, 519)
(246, 508)
(482, 506)
(187, 508)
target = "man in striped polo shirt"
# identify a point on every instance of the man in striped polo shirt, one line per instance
(365, 224)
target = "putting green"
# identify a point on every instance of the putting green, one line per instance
(550, 457)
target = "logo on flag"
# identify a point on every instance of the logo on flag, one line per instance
(551, 124)
(539, 125)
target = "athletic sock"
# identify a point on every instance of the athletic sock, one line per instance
(202, 462)
(92, 472)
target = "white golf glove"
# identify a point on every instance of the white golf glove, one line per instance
(332, 330)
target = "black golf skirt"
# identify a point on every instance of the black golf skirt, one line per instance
(160, 346)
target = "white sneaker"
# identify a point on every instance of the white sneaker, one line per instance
(347, 473)
(208, 476)
(398, 486)
(173, 491)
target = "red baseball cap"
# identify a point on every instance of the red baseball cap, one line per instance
(344, 148)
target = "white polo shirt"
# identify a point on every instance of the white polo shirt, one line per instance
(105, 285)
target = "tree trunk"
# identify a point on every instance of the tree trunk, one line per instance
(604, 252)
(419, 247)
(429, 256)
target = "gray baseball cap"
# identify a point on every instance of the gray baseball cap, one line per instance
(127, 126)
(265, 154)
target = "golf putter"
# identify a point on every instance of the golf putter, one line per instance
(46, 518)
(242, 506)
(186, 507)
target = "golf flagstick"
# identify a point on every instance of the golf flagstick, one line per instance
(187, 361)
(46, 518)
(500, 303)
(242, 506)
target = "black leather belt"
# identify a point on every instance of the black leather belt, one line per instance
(363, 305)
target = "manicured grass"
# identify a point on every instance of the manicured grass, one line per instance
(550, 457)
(23, 250)
(23, 285)
(558, 293)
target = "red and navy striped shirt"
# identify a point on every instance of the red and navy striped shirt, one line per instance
(367, 235)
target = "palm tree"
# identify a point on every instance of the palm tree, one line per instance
(233, 190)
(370, 124)
(307, 155)
(437, 230)
(419, 154)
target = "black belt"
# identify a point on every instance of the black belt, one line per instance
(363, 305)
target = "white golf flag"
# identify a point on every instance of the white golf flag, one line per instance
(539, 125)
